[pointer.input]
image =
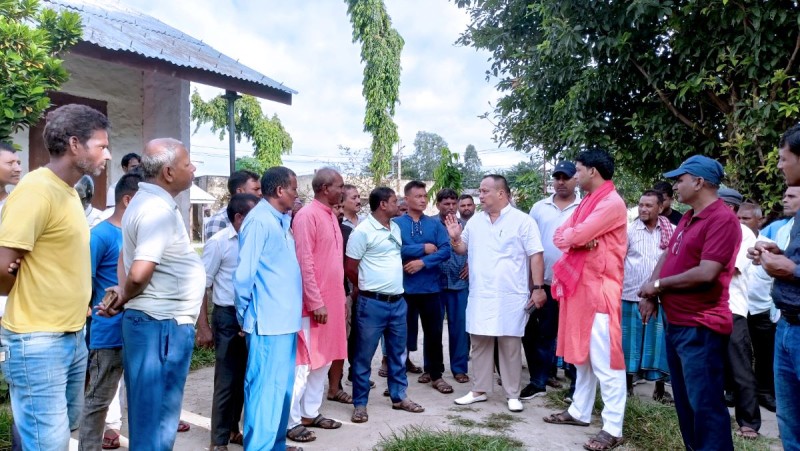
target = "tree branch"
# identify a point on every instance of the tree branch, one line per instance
(719, 103)
(773, 92)
(670, 106)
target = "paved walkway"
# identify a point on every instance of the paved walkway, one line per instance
(440, 412)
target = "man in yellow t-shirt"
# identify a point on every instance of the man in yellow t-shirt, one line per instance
(43, 348)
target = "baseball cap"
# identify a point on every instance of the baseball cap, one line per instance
(730, 196)
(566, 168)
(699, 166)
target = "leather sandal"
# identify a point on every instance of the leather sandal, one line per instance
(408, 405)
(300, 434)
(324, 423)
(359, 415)
(603, 441)
(564, 418)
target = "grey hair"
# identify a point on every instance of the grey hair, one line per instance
(153, 163)
(324, 176)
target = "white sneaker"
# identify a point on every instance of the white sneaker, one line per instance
(469, 398)
(515, 405)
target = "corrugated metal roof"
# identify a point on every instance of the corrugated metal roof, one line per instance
(114, 26)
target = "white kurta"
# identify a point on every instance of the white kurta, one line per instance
(499, 270)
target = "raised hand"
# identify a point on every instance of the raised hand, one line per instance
(453, 227)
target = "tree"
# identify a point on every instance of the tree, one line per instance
(652, 81)
(381, 46)
(250, 164)
(472, 168)
(426, 157)
(526, 184)
(31, 41)
(268, 136)
(448, 174)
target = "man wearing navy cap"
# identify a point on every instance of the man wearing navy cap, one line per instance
(691, 282)
(542, 328)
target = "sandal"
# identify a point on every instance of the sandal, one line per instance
(294, 448)
(359, 415)
(603, 441)
(183, 426)
(747, 433)
(342, 397)
(300, 434)
(408, 405)
(324, 423)
(111, 441)
(563, 418)
(664, 398)
(425, 378)
(411, 368)
(442, 387)
(237, 438)
(461, 378)
(384, 369)
(386, 393)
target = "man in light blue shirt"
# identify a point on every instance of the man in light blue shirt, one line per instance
(268, 302)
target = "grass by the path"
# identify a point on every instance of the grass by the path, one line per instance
(653, 426)
(5, 426)
(422, 439)
(201, 358)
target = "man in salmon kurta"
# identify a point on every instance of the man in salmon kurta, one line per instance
(322, 338)
(588, 285)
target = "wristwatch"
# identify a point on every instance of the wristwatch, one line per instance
(657, 285)
(537, 287)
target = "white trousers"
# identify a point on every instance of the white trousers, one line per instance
(612, 382)
(114, 414)
(309, 387)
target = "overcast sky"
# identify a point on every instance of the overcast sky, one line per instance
(307, 45)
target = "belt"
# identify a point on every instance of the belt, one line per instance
(381, 296)
(792, 318)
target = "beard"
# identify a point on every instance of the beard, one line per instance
(86, 167)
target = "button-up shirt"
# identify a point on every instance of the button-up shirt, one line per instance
(216, 223)
(786, 293)
(759, 286)
(643, 253)
(549, 217)
(268, 284)
(450, 278)
(380, 267)
(415, 234)
(499, 254)
(220, 257)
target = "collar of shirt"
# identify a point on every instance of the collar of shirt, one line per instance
(159, 192)
(503, 212)
(377, 225)
(711, 208)
(552, 201)
(231, 233)
(284, 219)
(324, 207)
(639, 225)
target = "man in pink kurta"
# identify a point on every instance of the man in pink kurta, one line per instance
(588, 285)
(322, 338)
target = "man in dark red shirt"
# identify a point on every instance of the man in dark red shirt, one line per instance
(691, 280)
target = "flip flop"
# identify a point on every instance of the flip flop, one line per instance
(183, 426)
(110, 442)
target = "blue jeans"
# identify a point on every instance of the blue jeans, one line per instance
(155, 356)
(268, 385)
(45, 372)
(787, 383)
(375, 319)
(454, 302)
(696, 358)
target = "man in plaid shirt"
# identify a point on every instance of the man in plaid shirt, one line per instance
(239, 182)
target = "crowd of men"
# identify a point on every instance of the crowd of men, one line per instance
(707, 301)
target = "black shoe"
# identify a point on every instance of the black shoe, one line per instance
(730, 401)
(767, 402)
(531, 391)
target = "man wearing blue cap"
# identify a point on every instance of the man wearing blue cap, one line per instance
(542, 328)
(691, 282)
(784, 266)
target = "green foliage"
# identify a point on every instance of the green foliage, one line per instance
(652, 81)
(268, 136)
(448, 174)
(472, 168)
(31, 40)
(5, 426)
(381, 46)
(526, 183)
(251, 164)
(420, 439)
(427, 156)
(202, 358)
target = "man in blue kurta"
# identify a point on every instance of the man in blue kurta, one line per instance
(269, 298)
(425, 246)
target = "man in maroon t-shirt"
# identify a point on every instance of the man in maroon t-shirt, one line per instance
(691, 280)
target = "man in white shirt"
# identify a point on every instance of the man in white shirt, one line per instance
(129, 162)
(741, 378)
(220, 257)
(162, 292)
(505, 250)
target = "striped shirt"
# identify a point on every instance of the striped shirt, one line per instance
(643, 254)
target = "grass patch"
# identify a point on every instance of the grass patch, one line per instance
(421, 439)
(653, 426)
(497, 422)
(5, 426)
(202, 357)
(463, 422)
(463, 409)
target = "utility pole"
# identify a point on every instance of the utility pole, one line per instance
(231, 97)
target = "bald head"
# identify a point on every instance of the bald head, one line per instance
(165, 162)
(327, 185)
(324, 176)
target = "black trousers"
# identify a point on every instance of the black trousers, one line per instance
(229, 371)
(540, 339)
(429, 306)
(740, 375)
(762, 334)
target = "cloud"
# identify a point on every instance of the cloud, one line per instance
(308, 46)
